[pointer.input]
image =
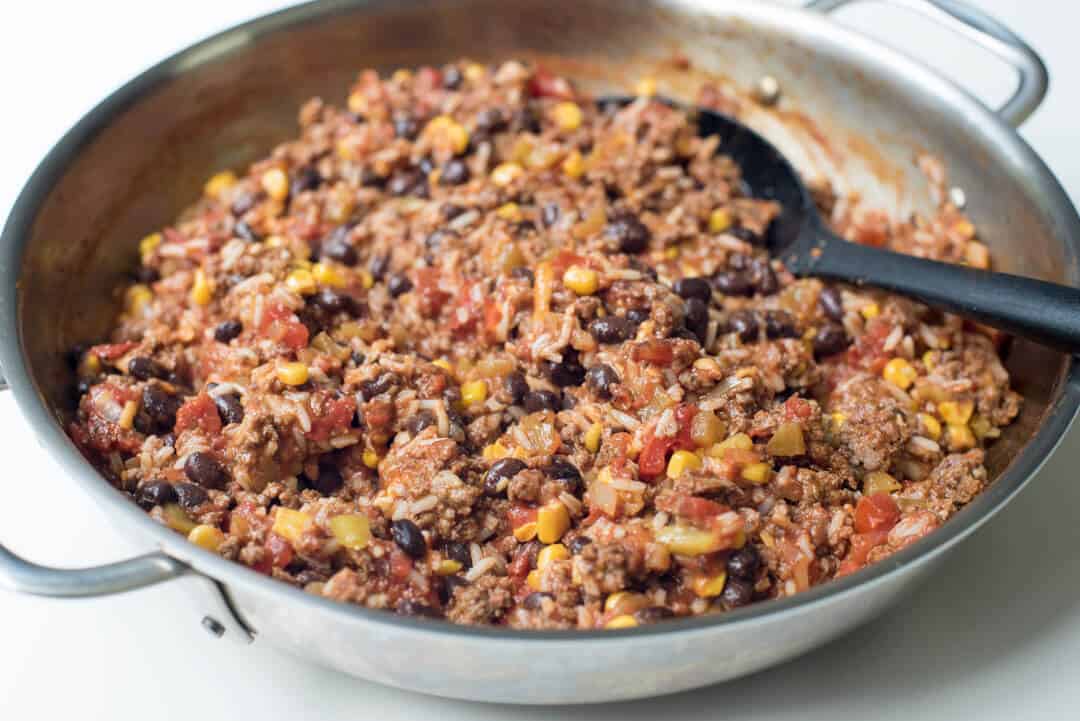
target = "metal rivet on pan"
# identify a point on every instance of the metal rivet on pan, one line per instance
(213, 627)
(767, 90)
(958, 197)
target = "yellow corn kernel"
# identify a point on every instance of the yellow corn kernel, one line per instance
(327, 275)
(960, 437)
(148, 244)
(983, 428)
(207, 537)
(474, 72)
(671, 253)
(495, 451)
(447, 567)
(870, 311)
(787, 441)
(930, 425)
(623, 621)
(581, 280)
(592, 437)
(137, 298)
(276, 183)
(646, 87)
(838, 420)
(367, 280)
(90, 365)
(444, 364)
(681, 461)
(554, 552)
(301, 282)
(370, 458)
(506, 173)
(352, 530)
(290, 524)
(977, 255)
(900, 373)
(928, 360)
(533, 579)
(879, 482)
(956, 413)
(201, 291)
(401, 75)
(573, 165)
(525, 532)
(706, 429)
(358, 103)
(625, 602)
(177, 518)
(552, 521)
(688, 540)
(756, 473)
(127, 416)
(567, 116)
(964, 228)
(719, 220)
(739, 441)
(219, 182)
(292, 374)
(449, 133)
(709, 586)
(510, 212)
(474, 392)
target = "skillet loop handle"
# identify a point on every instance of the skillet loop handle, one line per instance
(22, 576)
(989, 34)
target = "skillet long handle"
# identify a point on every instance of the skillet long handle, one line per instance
(1044, 312)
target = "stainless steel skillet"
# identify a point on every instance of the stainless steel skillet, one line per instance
(852, 109)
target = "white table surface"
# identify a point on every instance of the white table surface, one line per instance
(997, 635)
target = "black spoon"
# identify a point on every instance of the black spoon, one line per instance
(1044, 312)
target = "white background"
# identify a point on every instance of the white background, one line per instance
(997, 634)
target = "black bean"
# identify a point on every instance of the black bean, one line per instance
(568, 372)
(628, 233)
(243, 203)
(523, 273)
(333, 302)
(415, 608)
(455, 172)
(147, 275)
(535, 600)
(246, 232)
(203, 469)
(565, 472)
(652, 614)
(328, 481)
(764, 277)
(696, 319)
(451, 77)
(516, 387)
(737, 592)
(733, 282)
(190, 495)
(832, 304)
(459, 552)
(307, 178)
(227, 330)
(744, 563)
(693, 288)
(526, 120)
(378, 386)
(229, 408)
(406, 126)
(145, 368)
(578, 543)
(337, 247)
(407, 182)
(450, 211)
(491, 121)
(600, 378)
(612, 329)
(161, 406)
(549, 214)
(426, 165)
(637, 316)
(419, 421)
(155, 493)
(409, 538)
(780, 324)
(379, 265)
(398, 284)
(829, 340)
(541, 400)
(448, 586)
(500, 473)
(745, 323)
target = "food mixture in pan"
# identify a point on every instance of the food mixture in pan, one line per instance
(474, 347)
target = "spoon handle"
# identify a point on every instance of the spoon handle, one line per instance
(1044, 312)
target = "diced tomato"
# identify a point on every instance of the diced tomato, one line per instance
(432, 298)
(872, 229)
(331, 417)
(868, 350)
(468, 310)
(199, 412)
(400, 565)
(878, 512)
(545, 84)
(694, 508)
(564, 259)
(653, 457)
(684, 415)
(654, 351)
(428, 78)
(492, 316)
(797, 409)
(281, 325)
(861, 545)
(519, 515)
(279, 553)
(111, 351)
(519, 568)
